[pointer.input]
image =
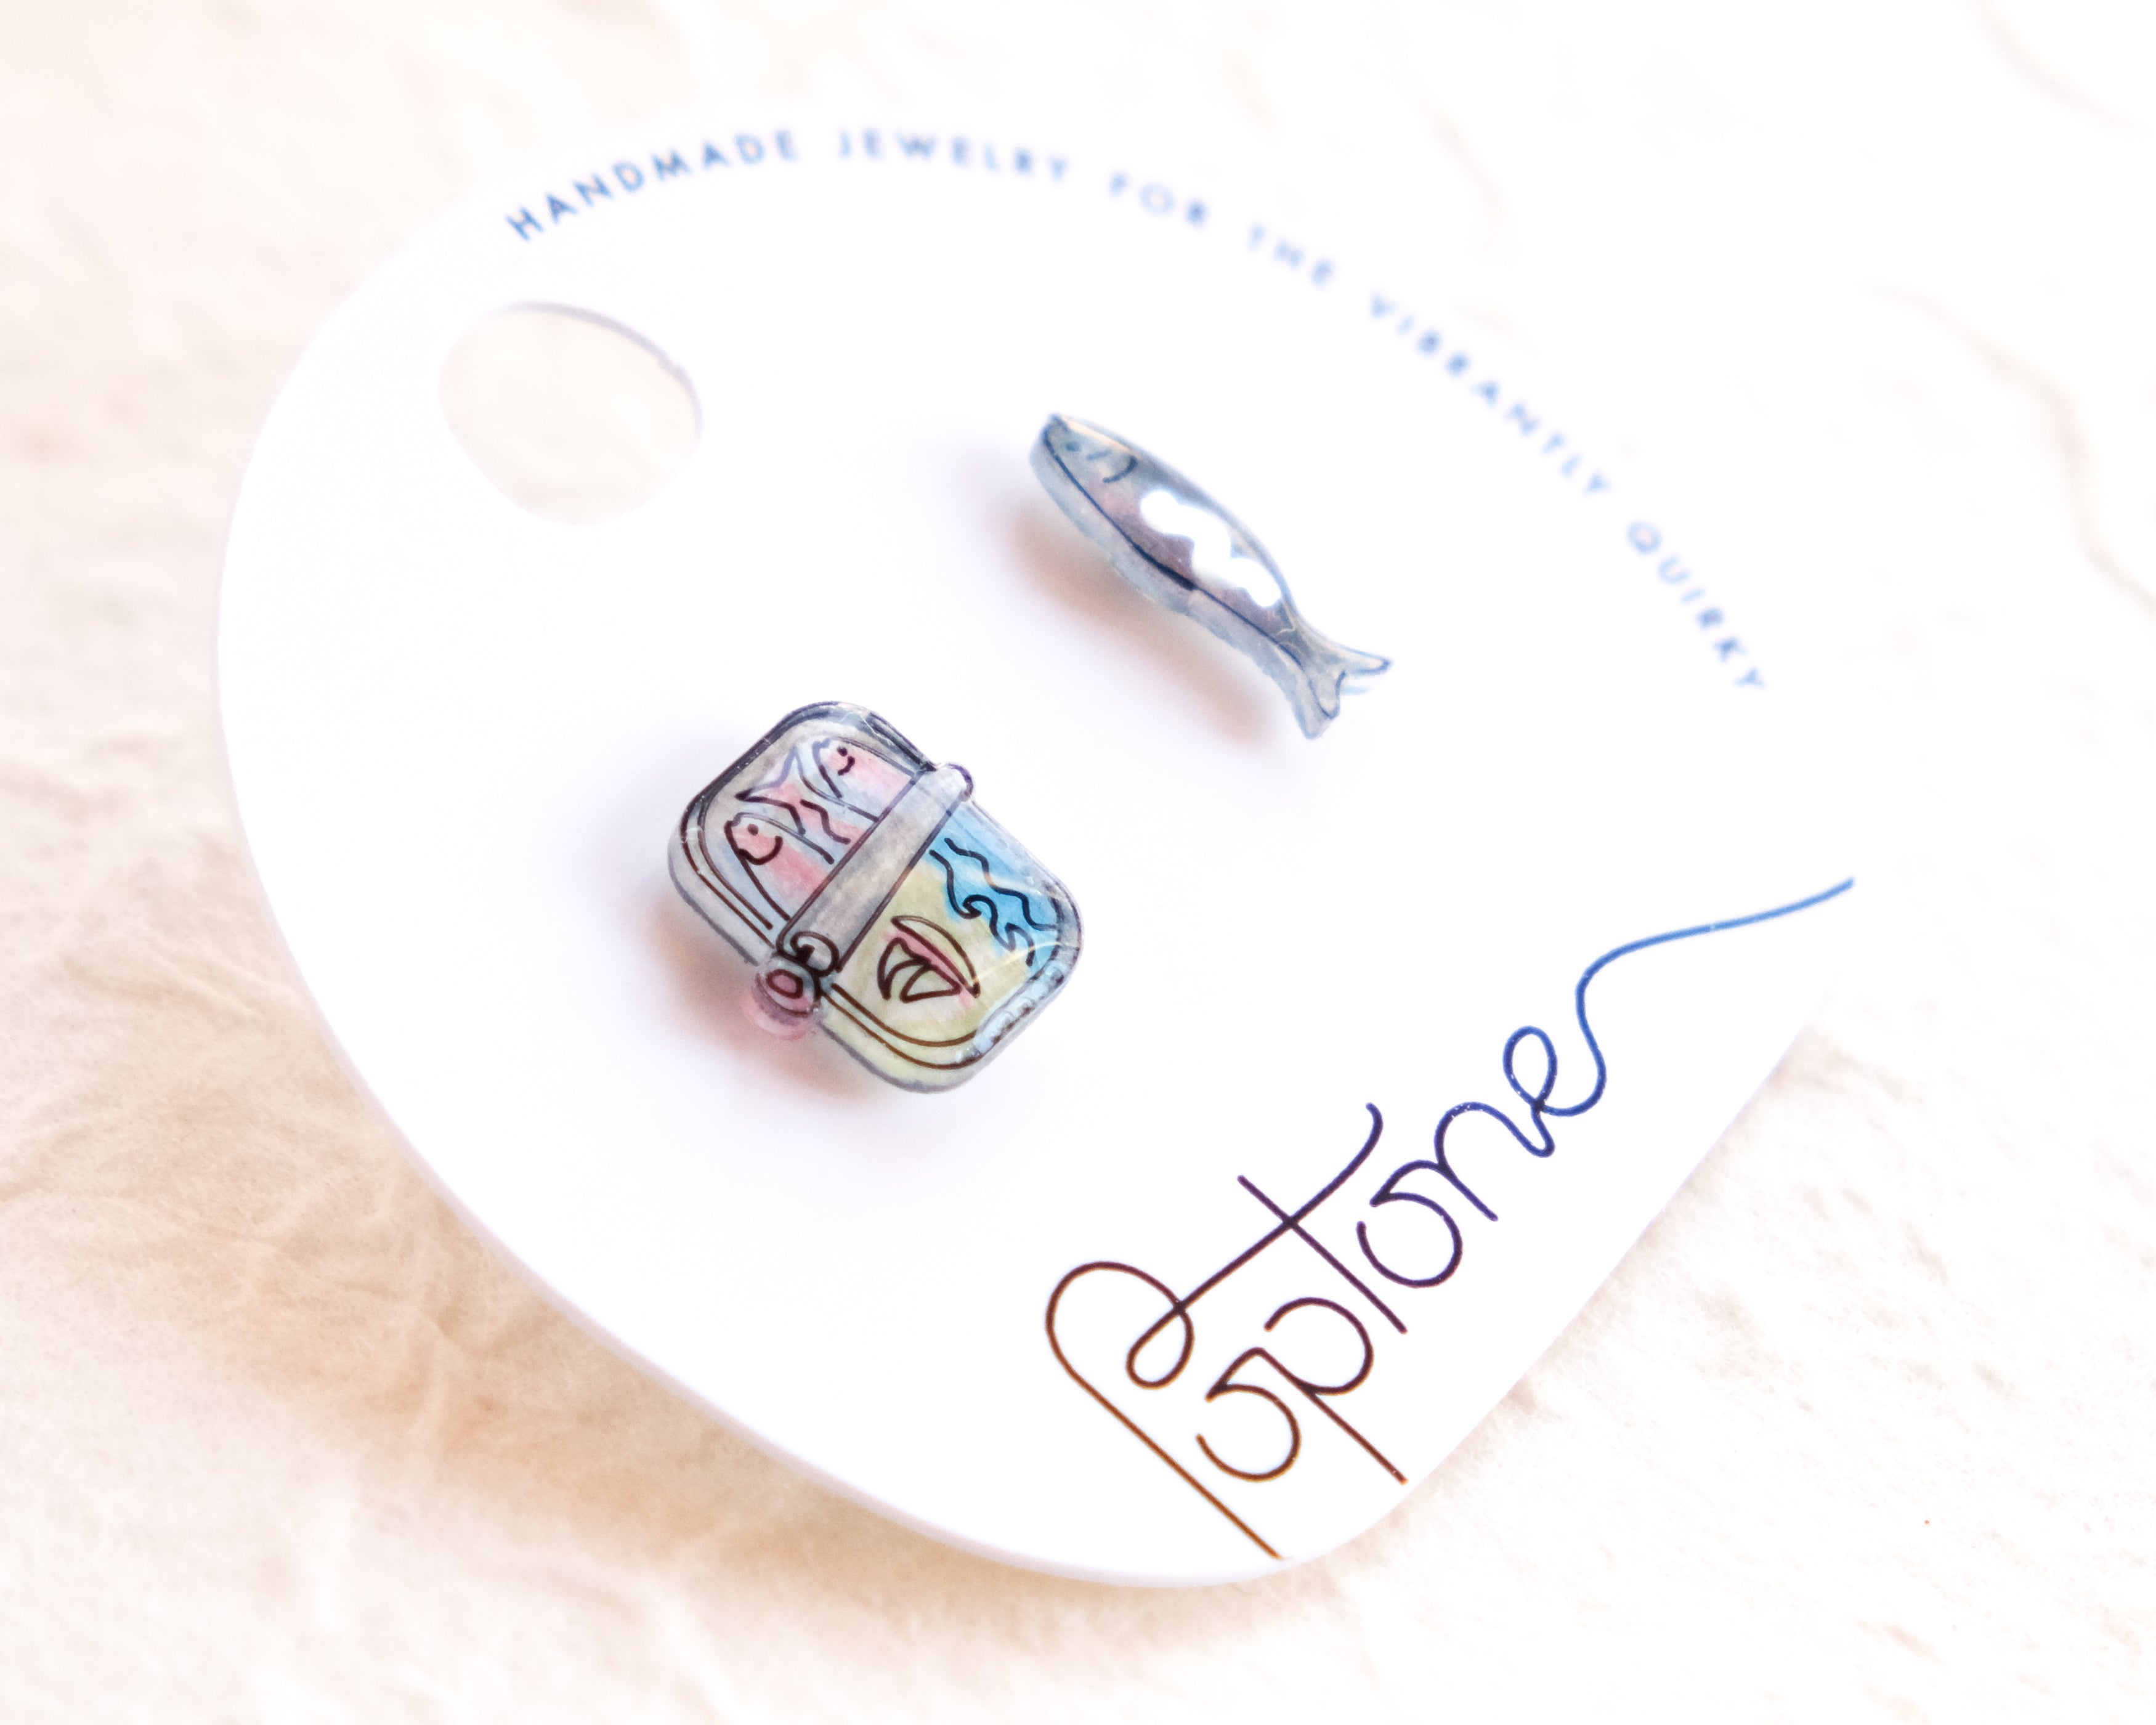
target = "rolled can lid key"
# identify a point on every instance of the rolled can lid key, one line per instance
(789, 985)
(875, 899)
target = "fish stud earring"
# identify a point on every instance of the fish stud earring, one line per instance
(875, 899)
(1180, 549)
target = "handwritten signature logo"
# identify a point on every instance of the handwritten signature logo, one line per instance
(1261, 1302)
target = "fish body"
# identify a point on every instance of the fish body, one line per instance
(820, 815)
(855, 778)
(1179, 548)
(786, 867)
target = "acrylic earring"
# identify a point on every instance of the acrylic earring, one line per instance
(1180, 549)
(876, 899)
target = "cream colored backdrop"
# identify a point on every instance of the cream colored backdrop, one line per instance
(1862, 1427)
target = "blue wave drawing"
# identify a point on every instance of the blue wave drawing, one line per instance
(977, 877)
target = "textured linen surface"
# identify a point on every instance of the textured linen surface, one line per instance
(1862, 1426)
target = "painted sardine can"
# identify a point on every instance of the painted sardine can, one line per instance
(875, 899)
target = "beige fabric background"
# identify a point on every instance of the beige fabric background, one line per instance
(1862, 1427)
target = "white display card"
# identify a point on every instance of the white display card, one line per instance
(1381, 1050)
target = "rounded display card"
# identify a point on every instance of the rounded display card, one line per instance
(1381, 1048)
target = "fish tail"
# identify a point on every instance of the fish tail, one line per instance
(1321, 671)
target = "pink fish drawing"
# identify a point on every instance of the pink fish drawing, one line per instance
(820, 814)
(785, 867)
(856, 777)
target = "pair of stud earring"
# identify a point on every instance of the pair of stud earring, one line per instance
(874, 898)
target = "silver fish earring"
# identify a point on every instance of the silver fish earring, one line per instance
(1179, 548)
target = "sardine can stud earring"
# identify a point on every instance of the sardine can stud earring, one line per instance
(876, 899)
